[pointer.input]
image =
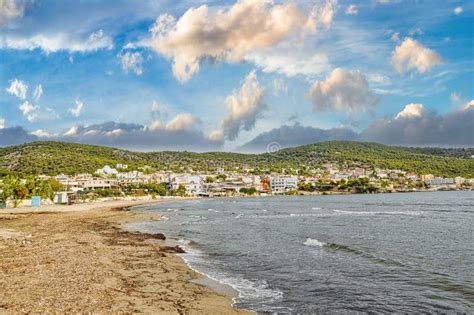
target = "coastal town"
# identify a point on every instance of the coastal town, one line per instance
(120, 182)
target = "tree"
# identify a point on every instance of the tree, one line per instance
(181, 191)
(48, 188)
(14, 189)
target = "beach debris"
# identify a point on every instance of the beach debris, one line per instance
(171, 249)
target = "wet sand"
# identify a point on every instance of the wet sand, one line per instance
(82, 261)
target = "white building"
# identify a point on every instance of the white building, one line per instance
(439, 181)
(281, 184)
(107, 170)
(192, 183)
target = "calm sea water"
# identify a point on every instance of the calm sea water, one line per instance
(381, 253)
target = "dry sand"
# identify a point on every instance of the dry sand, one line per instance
(81, 261)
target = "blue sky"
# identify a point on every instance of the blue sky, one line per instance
(210, 75)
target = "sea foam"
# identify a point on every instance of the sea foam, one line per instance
(314, 242)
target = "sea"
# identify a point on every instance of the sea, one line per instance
(401, 252)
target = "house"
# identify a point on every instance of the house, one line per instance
(280, 184)
(412, 176)
(439, 181)
(192, 184)
(107, 171)
(98, 183)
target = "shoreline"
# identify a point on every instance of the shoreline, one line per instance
(83, 261)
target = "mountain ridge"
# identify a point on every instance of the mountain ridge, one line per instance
(52, 158)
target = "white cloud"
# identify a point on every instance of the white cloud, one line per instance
(248, 26)
(410, 111)
(132, 61)
(12, 9)
(18, 88)
(469, 106)
(410, 54)
(181, 122)
(244, 107)
(29, 111)
(156, 124)
(77, 110)
(71, 132)
(216, 135)
(53, 42)
(458, 10)
(287, 60)
(352, 9)
(2, 122)
(378, 79)
(343, 90)
(41, 133)
(416, 125)
(38, 92)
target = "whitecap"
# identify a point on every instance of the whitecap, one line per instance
(378, 212)
(314, 242)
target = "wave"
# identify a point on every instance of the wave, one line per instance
(248, 290)
(376, 258)
(378, 212)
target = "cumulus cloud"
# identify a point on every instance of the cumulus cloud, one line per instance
(343, 90)
(38, 92)
(411, 110)
(29, 111)
(244, 107)
(295, 135)
(12, 9)
(18, 88)
(352, 9)
(41, 133)
(416, 125)
(216, 135)
(77, 110)
(2, 122)
(247, 26)
(182, 121)
(53, 42)
(458, 10)
(132, 61)
(468, 106)
(410, 54)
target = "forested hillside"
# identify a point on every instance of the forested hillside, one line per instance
(69, 158)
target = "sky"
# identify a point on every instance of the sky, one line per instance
(247, 75)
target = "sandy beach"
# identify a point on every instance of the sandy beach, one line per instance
(78, 259)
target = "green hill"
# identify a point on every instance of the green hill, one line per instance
(58, 157)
